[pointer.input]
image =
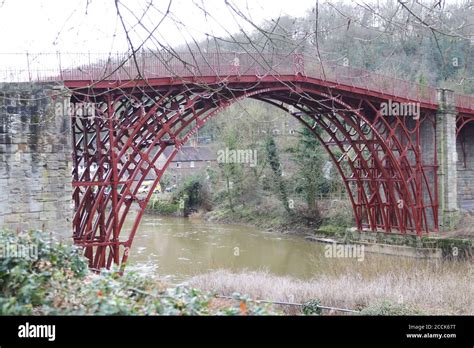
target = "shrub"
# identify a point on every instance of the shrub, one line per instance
(330, 230)
(455, 249)
(386, 307)
(163, 207)
(339, 214)
(312, 307)
(24, 281)
(57, 282)
(195, 192)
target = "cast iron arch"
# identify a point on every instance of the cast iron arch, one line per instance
(129, 131)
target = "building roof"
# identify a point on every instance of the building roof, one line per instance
(190, 153)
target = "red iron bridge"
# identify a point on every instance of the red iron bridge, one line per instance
(397, 168)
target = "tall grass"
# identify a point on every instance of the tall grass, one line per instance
(434, 287)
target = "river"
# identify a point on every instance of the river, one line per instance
(177, 248)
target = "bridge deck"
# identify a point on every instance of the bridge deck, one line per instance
(163, 69)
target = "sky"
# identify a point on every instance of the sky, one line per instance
(92, 25)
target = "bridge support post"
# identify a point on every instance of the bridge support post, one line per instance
(447, 159)
(35, 151)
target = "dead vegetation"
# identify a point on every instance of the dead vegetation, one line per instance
(426, 287)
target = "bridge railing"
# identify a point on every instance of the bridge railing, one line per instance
(464, 101)
(27, 67)
(121, 66)
(158, 65)
(360, 78)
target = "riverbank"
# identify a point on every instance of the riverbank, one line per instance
(431, 289)
(446, 245)
(268, 222)
(267, 214)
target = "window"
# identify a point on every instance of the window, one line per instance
(191, 165)
(178, 164)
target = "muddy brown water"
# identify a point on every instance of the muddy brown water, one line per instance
(178, 248)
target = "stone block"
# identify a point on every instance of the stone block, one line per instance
(50, 206)
(12, 218)
(32, 217)
(35, 206)
(18, 207)
(48, 216)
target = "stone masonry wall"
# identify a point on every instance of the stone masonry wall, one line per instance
(427, 135)
(465, 166)
(35, 166)
(447, 160)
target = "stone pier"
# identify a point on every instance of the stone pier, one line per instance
(447, 160)
(35, 165)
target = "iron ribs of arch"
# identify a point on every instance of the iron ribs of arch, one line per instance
(118, 146)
